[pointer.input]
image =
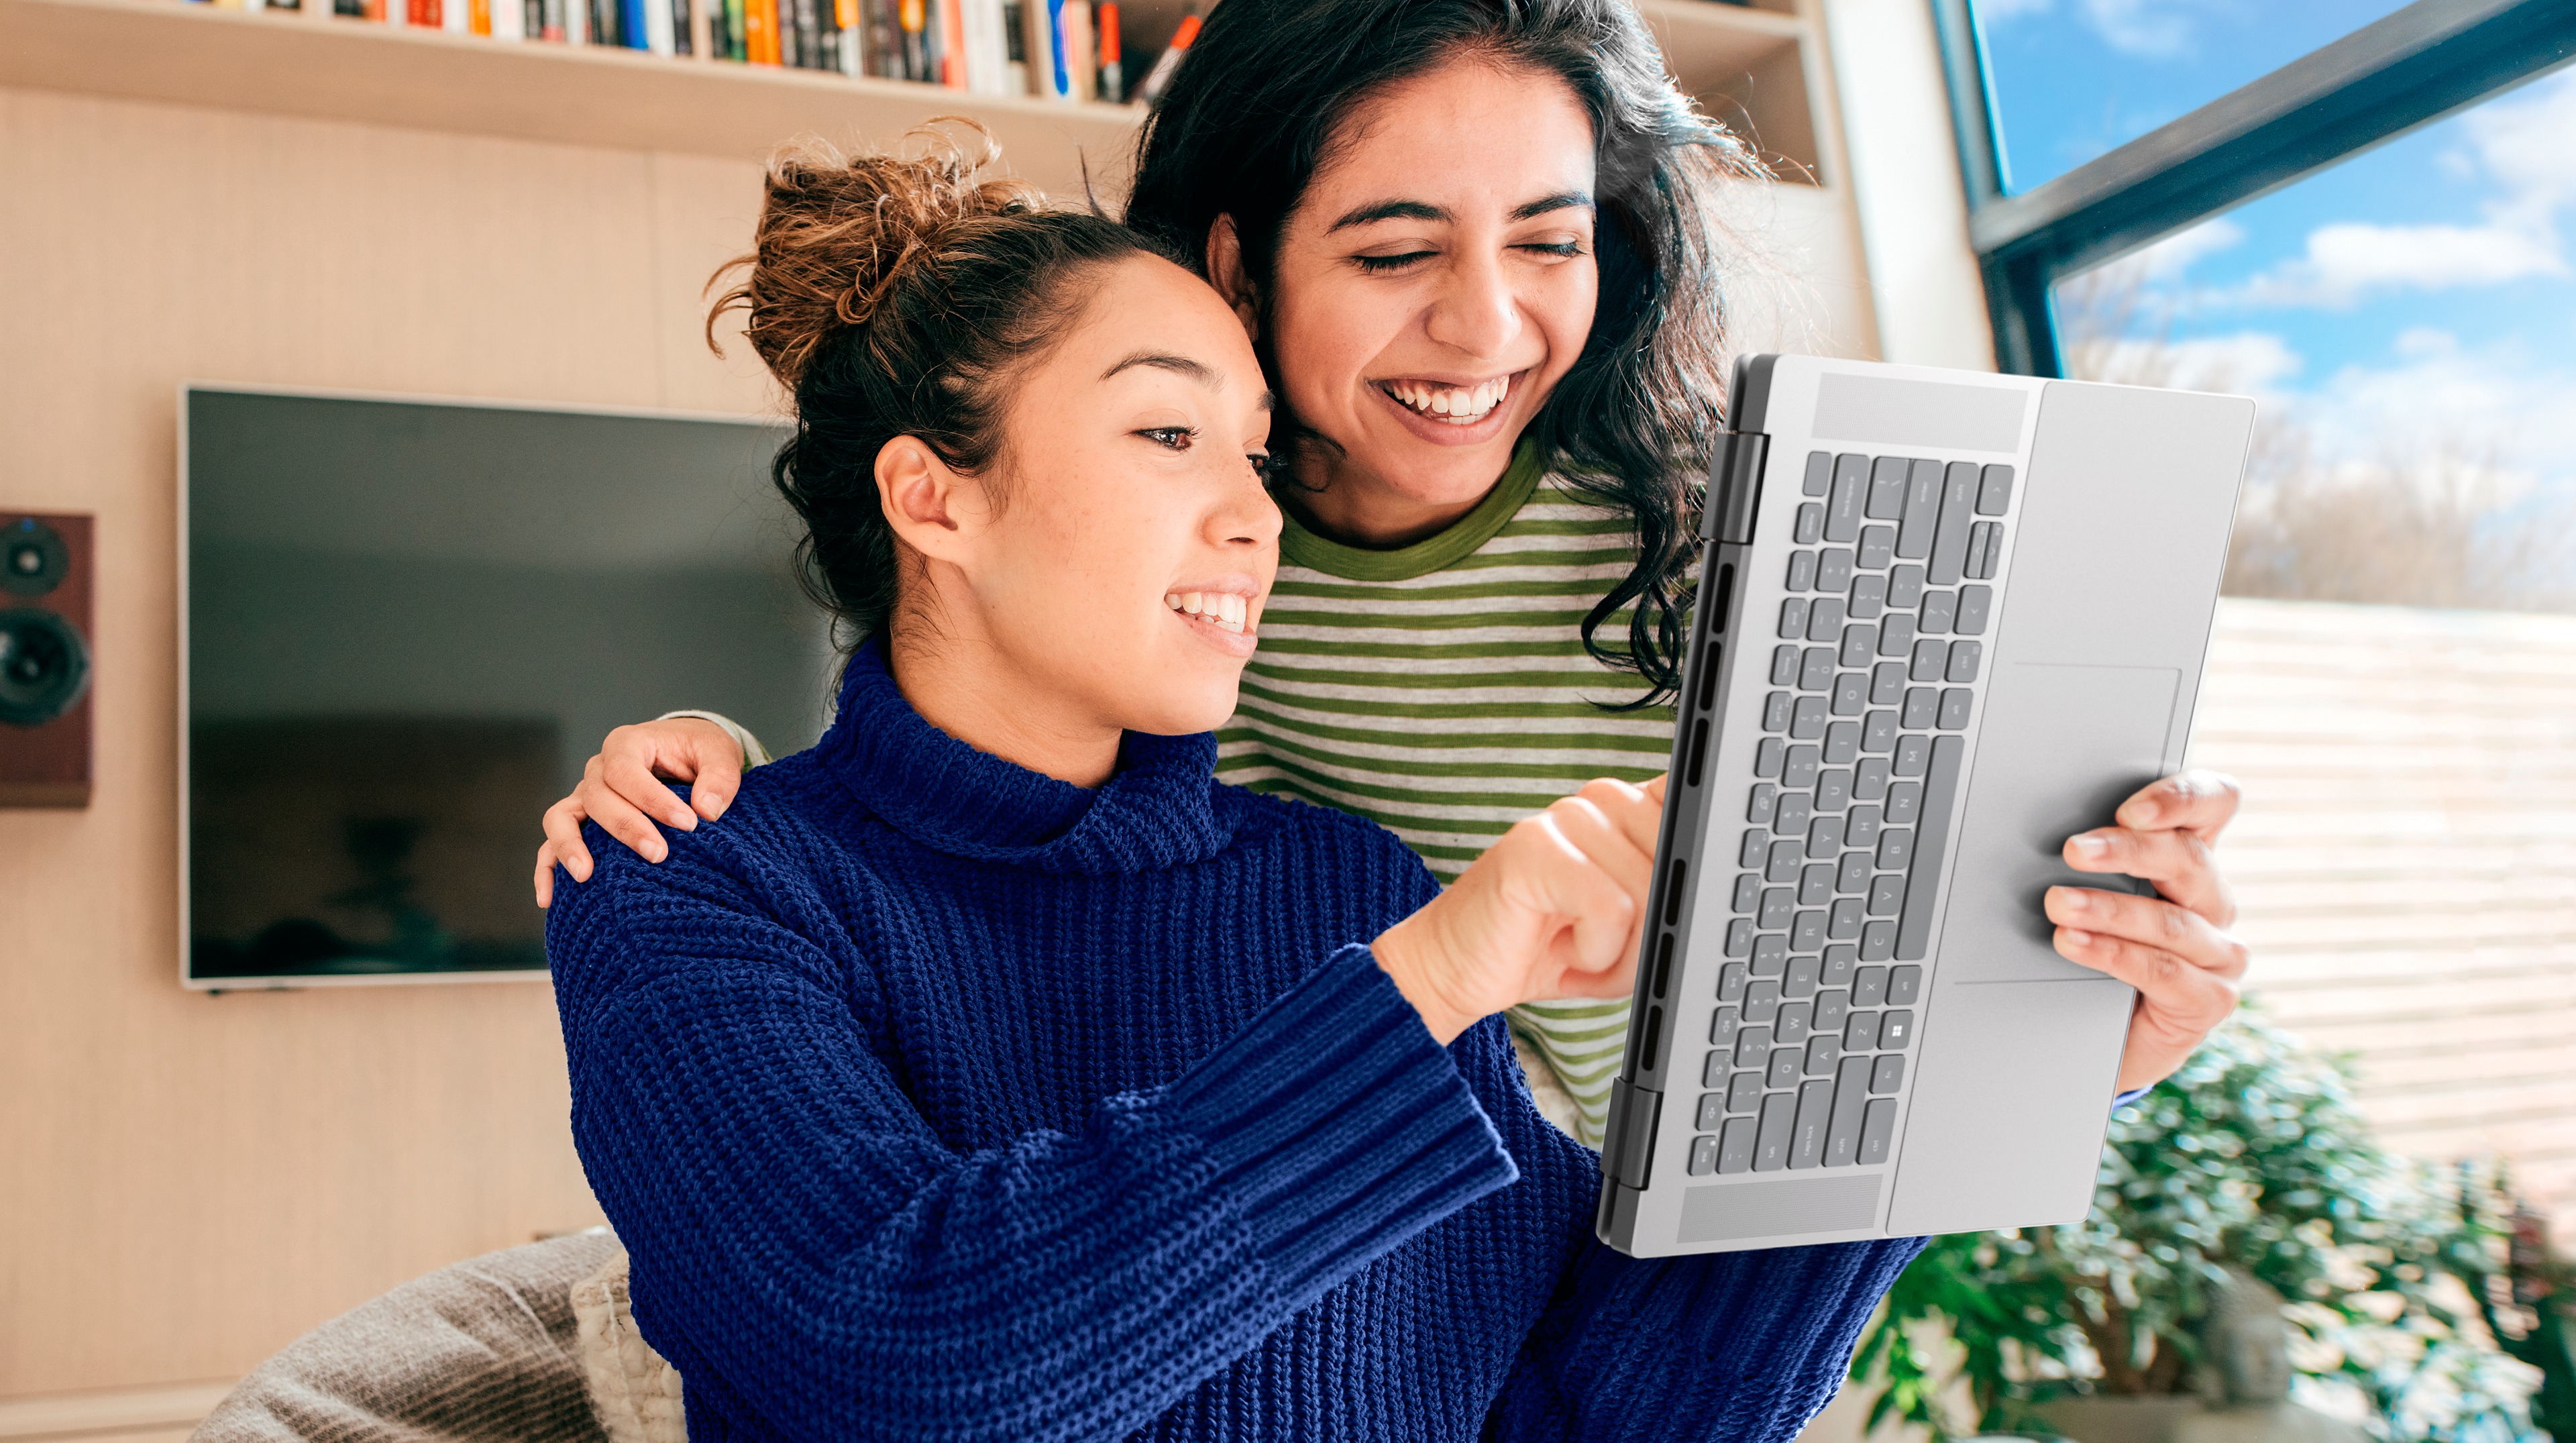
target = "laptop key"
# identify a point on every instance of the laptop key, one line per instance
(1771, 1144)
(1748, 888)
(1851, 693)
(1833, 1007)
(1922, 704)
(1710, 1117)
(1833, 787)
(1887, 1074)
(1815, 884)
(1712, 1073)
(1824, 837)
(1842, 744)
(1793, 810)
(1807, 934)
(1783, 863)
(1904, 588)
(1777, 905)
(1769, 952)
(1913, 753)
(1896, 1030)
(1869, 779)
(1825, 619)
(1877, 1132)
(1878, 941)
(1791, 1025)
(1793, 618)
(1807, 717)
(1784, 665)
(1955, 703)
(1843, 505)
(1802, 571)
(1896, 633)
(1842, 924)
(1815, 1110)
(1800, 980)
(1851, 875)
(1950, 536)
(1887, 489)
(1887, 895)
(1775, 712)
(1735, 1146)
(1730, 982)
(1878, 731)
(1895, 848)
(1981, 549)
(1934, 617)
(1868, 597)
(1757, 806)
(1816, 668)
(1964, 656)
(1904, 803)
(1739, 937)
(1973, 604)
(1800, 773)
(1753, 1047)
(1904, 986)
(1851, 1093)
(1723, 1024)
(1922, 511)
(1744, 1091)
(1877, 546)
(1923, 880)
(1820, 472)
(1859, 641)
(1766, 757)
(1869, 987)
(1994, 489)
(1930, 656)
(1782, 1070)
(1749, 852)
(1860, 824)
(1887, 682)
(1994, 553)
(1860, 1032)
(1834, 570)
(1703, 1156)
(1810, 525)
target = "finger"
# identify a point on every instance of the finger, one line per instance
(1634, 810)
(2199, 801)
(1608, 836)
(630, 777)
(545, 876)
(1600, 908)
(719, 771)
(2152, 923)
(2179, 863)
(611, 812)
(2178, 1003)
(563, 834)
(1654, 786)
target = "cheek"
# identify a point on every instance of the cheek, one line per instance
(1562, 305)
(1324, 335)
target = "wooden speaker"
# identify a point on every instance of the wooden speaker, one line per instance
(47, 590)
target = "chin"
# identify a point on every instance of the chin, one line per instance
(1184, 715)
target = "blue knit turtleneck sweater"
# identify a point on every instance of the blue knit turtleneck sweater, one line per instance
(934, 1098)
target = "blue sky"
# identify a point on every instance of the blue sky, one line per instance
(2425, 287)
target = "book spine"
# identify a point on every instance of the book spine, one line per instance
(1081, 59)
(1037, 46)
(1113, 78)
(846, 41)
(956, 56)
(760, 30)
(988, 46)
(1151, 92)
(509, 20)
(635, 25)
(1059, 66)
(809, 36)
(684, 35)
(478, 17)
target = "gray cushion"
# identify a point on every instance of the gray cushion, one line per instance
(485, 1350)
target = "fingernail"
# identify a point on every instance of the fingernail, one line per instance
(2078, 938)
(2075, 898)
(2092, 845)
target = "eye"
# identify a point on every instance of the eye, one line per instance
(1379, 265)
(1262, 462)
(1564, 250)
(1170, 438)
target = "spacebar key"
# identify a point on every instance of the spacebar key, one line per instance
(1931, 844)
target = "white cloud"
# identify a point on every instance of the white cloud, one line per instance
(2528, 141)
(2437, 394)
(2250, 362)
(2349, 260)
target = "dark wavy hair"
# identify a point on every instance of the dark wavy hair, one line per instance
(1253, 111)
(899, 295)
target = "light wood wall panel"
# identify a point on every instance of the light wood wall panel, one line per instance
(2406, 861)
(189, 1181)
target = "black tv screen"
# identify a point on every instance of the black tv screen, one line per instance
(407, 625)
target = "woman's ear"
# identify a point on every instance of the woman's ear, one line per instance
(1226, 273)
(935, 510)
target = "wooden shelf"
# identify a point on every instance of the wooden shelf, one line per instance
(284, 63)
(1747, 66)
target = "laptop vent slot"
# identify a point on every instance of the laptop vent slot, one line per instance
(1653, 1040)
(1716, 601)
(1699, 749)
(1708, 674)
(1673, 893)
(1663, 964)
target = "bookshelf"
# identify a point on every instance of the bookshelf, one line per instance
(1752, 67)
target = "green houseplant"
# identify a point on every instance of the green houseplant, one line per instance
(2251, 1158)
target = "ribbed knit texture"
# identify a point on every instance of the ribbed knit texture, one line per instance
(1442, 690)
(938, 1099)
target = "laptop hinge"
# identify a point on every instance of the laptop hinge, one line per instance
(1734, 487)
(1628, 1144)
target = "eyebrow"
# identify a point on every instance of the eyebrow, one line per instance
(1423, 210)
(1199, 371)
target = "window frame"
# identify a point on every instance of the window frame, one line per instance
(2399, 73)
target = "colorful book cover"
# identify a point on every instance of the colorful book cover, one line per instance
(985, 28)
(1081, 59)
(633, 29)
(683, 40)
(807, 35)
(760, 30)
(851, 46)
(478, 17)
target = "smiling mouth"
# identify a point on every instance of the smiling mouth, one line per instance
(1221, 609)
(1455, 405)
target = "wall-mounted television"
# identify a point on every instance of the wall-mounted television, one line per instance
(407, 622)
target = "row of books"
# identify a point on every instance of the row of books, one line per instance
(1070, 50)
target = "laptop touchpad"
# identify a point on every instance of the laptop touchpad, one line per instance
(2063, 746)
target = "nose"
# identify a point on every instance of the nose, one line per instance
(1475, 311)
(1246, 517)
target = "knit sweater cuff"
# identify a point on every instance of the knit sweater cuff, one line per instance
(1338, 1125)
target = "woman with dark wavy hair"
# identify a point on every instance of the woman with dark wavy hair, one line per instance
(1475, 244)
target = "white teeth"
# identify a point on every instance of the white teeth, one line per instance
(1220, 609)
(1459, 406)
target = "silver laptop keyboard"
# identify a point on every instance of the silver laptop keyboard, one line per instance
(1877, 669)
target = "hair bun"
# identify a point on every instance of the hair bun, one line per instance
(836, 232)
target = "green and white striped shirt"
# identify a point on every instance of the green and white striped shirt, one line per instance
(1442, 691)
